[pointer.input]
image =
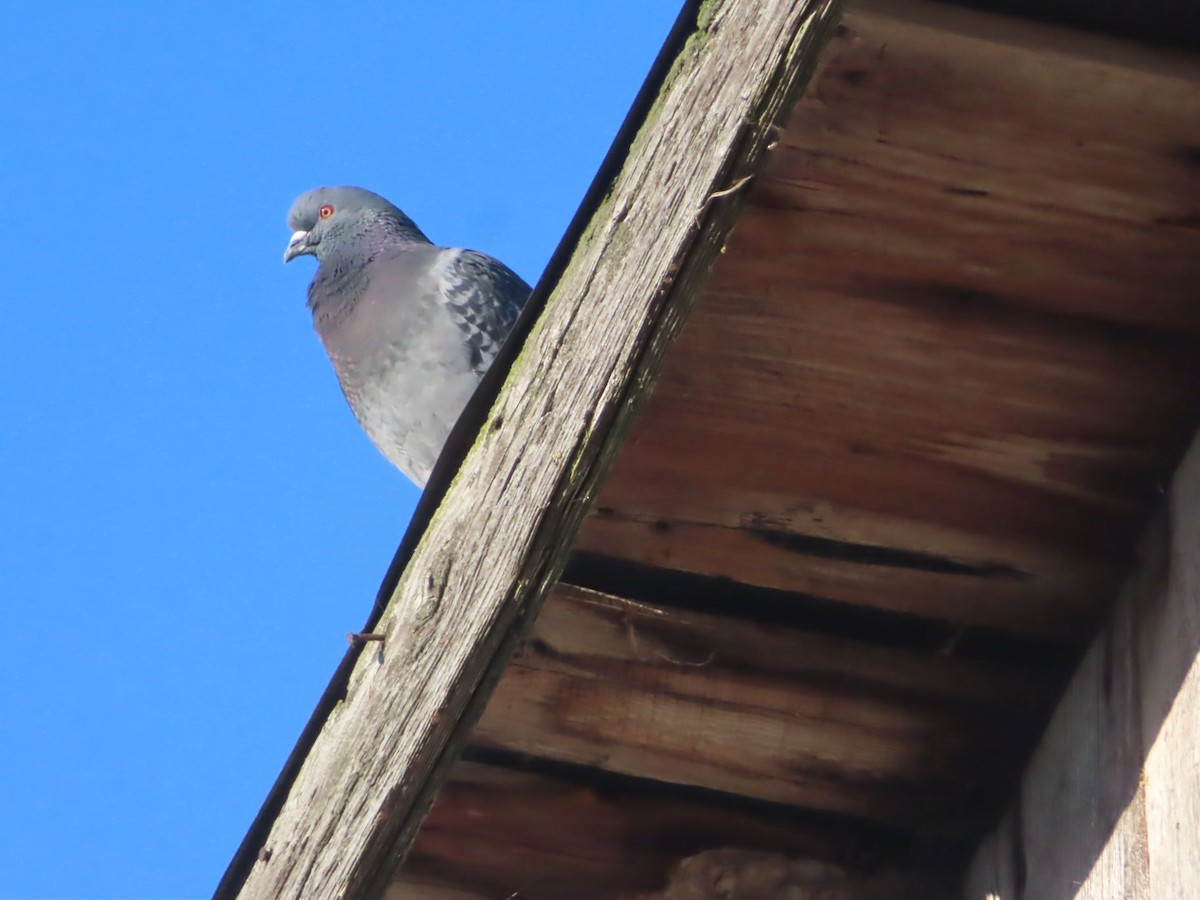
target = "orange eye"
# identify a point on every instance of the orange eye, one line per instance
(325, 211)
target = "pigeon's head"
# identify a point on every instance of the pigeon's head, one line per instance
(326, 218)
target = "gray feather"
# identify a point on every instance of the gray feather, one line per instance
(485, 297)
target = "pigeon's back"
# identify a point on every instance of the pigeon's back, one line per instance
(410, 335)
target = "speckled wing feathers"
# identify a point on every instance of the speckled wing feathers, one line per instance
(484, 297)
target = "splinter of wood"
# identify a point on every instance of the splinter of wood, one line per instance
(724, 192)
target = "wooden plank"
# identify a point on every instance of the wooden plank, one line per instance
(417, 889)
(763, 712)
(1169, 695)
(734, 872)
(953, 348)
(1064, 599)
(503, 530)
(496, 832)
(1169, 21)
(1079, 155)
(1110, 804)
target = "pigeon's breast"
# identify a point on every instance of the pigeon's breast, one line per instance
(406, 372)
(407, 406)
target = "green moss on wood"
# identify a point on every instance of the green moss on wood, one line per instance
(706, 14)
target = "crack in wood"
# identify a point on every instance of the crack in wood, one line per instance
(875, 555)
(705, 593)
(861, 843)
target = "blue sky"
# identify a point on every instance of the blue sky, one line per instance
(191, 519)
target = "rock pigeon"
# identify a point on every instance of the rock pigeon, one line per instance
(410, 327)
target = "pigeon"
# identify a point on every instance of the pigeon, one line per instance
(410, 327)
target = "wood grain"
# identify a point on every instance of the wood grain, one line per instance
(1169, 687)
(753, 875)
(1169, 21)
(762, 712)
(1064, 599)
(952, 351)
(1110, 804)
(504, 528)
(495, 831)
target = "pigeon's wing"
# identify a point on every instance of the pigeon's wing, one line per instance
(484, 298)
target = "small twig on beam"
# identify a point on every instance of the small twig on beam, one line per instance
(951, 645)
(734, 188)
(724, 192)
(712, 654)
(631, 634)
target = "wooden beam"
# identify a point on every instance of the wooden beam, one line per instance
(765, 712)
(1110, 804)
(503, 531)
(495, 832)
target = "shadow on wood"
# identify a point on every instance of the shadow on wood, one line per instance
(1110, 804)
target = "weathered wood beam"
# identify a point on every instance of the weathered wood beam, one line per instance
(1110, 804)
(503, 530)
(764, 712)
(496, 831)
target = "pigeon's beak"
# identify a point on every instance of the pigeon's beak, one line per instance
(297, 246)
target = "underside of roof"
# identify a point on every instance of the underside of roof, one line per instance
(1174, 22)
(813, 601)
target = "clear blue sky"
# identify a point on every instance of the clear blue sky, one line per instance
(191, 519)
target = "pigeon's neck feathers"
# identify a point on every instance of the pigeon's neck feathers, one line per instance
(370, 233)
(342, 274)
(392, 227)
